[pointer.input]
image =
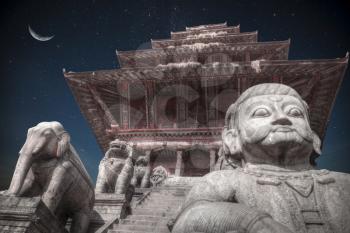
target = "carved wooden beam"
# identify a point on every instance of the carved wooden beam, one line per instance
(310, 85)
(104, 107)
(125, 104)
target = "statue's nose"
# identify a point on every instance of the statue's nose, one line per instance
(282, 121)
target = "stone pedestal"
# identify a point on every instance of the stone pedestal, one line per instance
(108, 209)
(27, 215)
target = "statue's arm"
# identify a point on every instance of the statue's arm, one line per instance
(125, 176)
(216, 186)
(343, 181)
(145, 183)
(101, 179)
(211, 189)
(213, 200)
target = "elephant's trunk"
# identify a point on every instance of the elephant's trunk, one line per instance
(22, 168)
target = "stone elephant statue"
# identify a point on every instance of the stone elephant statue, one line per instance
(142, 172)
(116, 169)
(48, 166)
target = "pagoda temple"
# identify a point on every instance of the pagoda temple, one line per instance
(170, 101)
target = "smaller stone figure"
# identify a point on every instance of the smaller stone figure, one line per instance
(159, 174)
(142, 172)
(115, 169)
(48, 166)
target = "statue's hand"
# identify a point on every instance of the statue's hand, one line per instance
(268, 225)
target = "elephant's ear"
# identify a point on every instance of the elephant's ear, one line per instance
(30, 130)
(63, 144)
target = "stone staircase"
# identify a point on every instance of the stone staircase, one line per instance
(153, 210)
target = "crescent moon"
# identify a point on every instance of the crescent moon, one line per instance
(37, 36)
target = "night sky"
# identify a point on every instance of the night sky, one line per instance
(87, 33)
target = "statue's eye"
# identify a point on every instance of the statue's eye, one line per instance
(261, 112)
(47, 133)
(295, 112)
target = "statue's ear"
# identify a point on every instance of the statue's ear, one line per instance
(316, 143)
(63, 144)
(30, 130)
(232, 143)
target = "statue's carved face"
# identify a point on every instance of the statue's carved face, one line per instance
(271, 120)
(271, 128)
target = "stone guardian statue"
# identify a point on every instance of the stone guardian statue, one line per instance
(48, 166)
(116, 169)
(277, 188)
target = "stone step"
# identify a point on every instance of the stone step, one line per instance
(159, 207)
(133, 227)
(171, 190)
(164, 198)
(172, 187)
(156, 206)
(135, 231)
(176, 192)
(153, 208)
(148, 218)
(142, 222)
(151, 212)
(164, 201)
(154, 212)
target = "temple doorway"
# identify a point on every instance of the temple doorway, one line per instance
(165, 158)
(196, 162)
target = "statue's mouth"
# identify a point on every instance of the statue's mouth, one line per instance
(283, 129)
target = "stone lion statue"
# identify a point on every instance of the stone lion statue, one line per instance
(116, 169)
(277, 188)
(142, 172)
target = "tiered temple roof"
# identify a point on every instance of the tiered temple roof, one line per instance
(216, 62)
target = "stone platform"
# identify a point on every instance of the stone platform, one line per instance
(109, 208)
(27, 215)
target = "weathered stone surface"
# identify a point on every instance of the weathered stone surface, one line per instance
(49, 167)
(159, 174)
(110, 208)
(181, 180)
(27, 215)
(153, 209)
(142, 172)
(116, 169)
(277, 188)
